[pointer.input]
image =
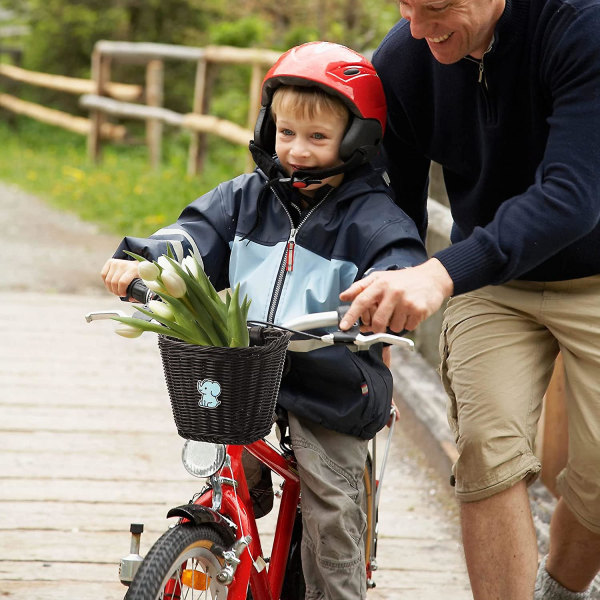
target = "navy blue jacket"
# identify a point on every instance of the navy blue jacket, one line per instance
(517, 135)
(354, 228)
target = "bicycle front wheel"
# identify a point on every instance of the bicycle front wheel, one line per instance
(182, 564)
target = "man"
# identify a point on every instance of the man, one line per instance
(505, 95)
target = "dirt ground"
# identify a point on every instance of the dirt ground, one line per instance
(44, 250)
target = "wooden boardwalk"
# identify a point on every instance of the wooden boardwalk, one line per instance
(88, 446)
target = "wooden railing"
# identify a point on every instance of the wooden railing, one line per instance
(153, 56)
(69, 85)
(104, 98)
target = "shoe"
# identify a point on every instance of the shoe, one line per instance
(262, 494)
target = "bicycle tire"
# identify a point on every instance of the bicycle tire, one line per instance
(185, 546)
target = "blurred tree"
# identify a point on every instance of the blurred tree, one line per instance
(63, 33)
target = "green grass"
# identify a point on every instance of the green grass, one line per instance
(122, 195)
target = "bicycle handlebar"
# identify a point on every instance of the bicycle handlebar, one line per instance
(138, 291)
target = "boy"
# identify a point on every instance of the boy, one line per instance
(313, 218)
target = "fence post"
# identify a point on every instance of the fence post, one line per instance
(154, 97)
(13, 87)
(197, 140)
(254, 104)
(100, 76)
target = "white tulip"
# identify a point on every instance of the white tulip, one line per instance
(161, 309)
(153, 285)
(163, 261)
(174, 285)
(148, 271)
(128, 331)
(192, 266)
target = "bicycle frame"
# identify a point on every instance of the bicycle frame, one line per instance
(236, 505)
(227, 503)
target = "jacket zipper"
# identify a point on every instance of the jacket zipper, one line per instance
(287, 260)
(481, 79)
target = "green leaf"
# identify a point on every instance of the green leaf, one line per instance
(236, 322)
(146, 326)
(205, 304)
(136, 256)
(172, 327)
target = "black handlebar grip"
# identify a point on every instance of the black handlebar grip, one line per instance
(138, 291)
(341, 311)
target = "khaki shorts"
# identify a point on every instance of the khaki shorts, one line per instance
(498, 347)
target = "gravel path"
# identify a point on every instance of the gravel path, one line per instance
(47, 250)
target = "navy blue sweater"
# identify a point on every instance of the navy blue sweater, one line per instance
(519, 147)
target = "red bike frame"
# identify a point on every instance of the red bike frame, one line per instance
(237, 506)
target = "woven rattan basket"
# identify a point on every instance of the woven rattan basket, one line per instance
(224, 395)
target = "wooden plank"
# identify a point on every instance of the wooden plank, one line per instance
(54, 571)
(222, 54)
(59, 590)
(127, 110)
(71, 85)
(58, 118)
(154, 98)
(115, 491)
(210, 124)
(148, 50)
(88, 419)
(40, 515)
(197, 141)
(114, 444)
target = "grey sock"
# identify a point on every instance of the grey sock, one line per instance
(547, 588)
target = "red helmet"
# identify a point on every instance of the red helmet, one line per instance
(339, 71)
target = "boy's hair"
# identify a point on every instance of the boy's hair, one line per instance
(307, 102)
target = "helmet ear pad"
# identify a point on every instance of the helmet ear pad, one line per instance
(265, 130)
(362, 135)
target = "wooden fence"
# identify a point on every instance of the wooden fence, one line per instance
(70, 85)
(104, 98)
(153, 56)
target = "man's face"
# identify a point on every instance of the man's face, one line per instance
(453, 29)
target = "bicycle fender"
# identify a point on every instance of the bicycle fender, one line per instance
(198, 515)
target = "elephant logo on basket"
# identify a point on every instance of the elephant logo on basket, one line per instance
(210, 391)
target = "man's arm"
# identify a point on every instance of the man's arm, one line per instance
(397, 299)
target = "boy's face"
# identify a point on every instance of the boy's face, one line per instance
(310, 144)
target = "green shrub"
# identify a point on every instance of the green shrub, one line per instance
(123, 195)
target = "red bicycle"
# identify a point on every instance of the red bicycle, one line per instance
(214, 550)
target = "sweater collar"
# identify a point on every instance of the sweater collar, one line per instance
(511, 25)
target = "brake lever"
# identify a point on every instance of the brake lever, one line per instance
(99, 315)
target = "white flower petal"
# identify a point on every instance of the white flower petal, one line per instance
(128, 331)
(148, 271)
(174, 285)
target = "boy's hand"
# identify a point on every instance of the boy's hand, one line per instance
(118, 274)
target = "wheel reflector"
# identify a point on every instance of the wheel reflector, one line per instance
(195, 579)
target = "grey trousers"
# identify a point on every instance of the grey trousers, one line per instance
(331, 467)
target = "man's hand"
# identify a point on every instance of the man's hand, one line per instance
(118, 274)
(397, 299)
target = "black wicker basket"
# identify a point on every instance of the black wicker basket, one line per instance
(224, 395)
